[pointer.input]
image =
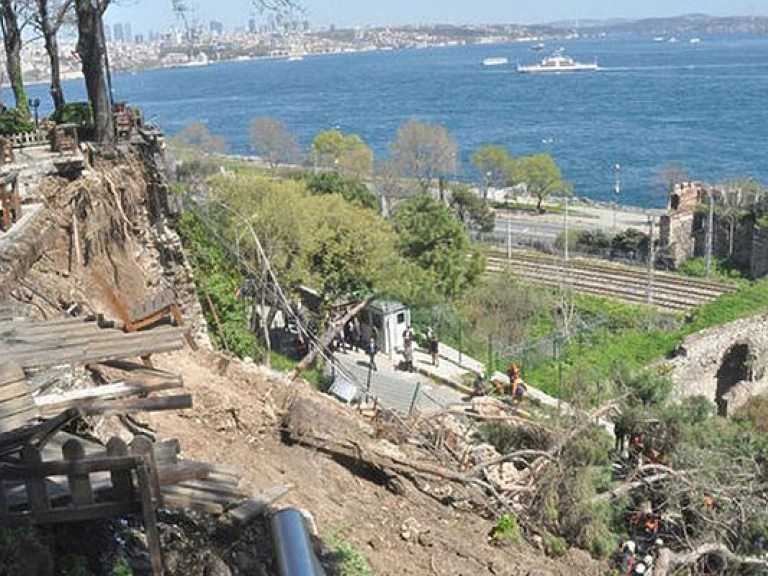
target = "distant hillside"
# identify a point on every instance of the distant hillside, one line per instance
(698, 24)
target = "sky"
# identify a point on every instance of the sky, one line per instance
(157, 15)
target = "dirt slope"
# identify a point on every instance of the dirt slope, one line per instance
(236, 421)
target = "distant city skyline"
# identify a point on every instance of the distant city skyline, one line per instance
(157, 15)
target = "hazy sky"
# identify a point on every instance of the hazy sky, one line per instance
(157, 15)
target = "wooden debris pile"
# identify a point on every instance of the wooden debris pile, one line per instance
(55, 372)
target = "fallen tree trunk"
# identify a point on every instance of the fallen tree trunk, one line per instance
(668, 562)
(329, 337)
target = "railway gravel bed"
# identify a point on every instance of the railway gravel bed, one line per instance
(619, 281)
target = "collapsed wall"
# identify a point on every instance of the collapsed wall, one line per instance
(104, 228)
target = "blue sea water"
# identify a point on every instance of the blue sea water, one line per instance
(701, 106)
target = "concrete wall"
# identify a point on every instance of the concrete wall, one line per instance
(701, 365)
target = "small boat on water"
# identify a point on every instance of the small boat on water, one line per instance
(538, 47)
(495, 61)
(558, 62)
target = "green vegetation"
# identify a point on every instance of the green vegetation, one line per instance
(720, 270)
(347, 560)
(507, 530)
(217, 286)
(15, 121)
(352, 190)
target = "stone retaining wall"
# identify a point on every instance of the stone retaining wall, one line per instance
(726, 364)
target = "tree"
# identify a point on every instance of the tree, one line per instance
(738, 198)
(197, 137)
(430, 236)
(271, 139)
(670, 175)
(351, 190)
(494, 165)
(93, 57)
(12, 20)
(48, 19)
(541, 176)
(348, 154)
(424, 152)
(471, 209)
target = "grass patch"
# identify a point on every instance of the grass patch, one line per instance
(348, 560)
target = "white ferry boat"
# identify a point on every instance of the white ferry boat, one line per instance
(558, 62)
(496, 61)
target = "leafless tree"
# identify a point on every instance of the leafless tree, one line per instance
(48, 18)
(273, 142)
(424, 152)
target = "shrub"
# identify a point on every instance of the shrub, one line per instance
(507, 437)
(14, 121)
(348, 560)
(507, 529)
(79, 113)
(554, 546)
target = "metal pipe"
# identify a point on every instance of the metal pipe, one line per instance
(293, 548)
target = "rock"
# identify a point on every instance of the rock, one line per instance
(215, 566)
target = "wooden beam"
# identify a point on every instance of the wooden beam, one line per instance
(259, 504)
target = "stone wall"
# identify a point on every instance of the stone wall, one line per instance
(676, 238)
(726, 364)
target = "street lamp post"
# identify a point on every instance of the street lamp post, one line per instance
(35, 105)
(710, 233)
(616, 191)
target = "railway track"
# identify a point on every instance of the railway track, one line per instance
(601, 278)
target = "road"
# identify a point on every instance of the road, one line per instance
(396, 389)
(527, 228)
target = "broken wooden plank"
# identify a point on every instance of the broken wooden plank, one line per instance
(136, 369)
(259, 504)
(195, 495)
(36, 434)
(179, 501)
(115, 390)
(151, 404)
(181, 472)
(218, 488)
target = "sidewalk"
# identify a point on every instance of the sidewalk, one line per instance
(458, 370)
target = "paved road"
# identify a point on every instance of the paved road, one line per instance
(396, 389)
(529, 229)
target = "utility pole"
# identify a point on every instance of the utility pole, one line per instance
(616, 191)
(651, 258)
(710, 233)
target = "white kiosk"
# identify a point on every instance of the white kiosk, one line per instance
(390, 319)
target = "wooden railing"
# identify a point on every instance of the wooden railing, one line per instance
(121, 482)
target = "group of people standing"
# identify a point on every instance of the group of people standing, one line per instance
(409, 337)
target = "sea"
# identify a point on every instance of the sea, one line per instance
(699, 106)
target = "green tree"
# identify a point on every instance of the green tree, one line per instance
(430, 236)
(541, 176)
(474, 211)
(494, 166)
(347, 154)
(272, 141)
(351, 190)
(424, 152)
